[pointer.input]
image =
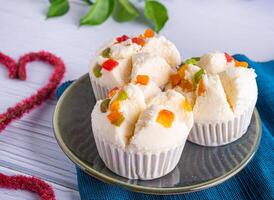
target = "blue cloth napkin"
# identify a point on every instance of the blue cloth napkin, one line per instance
(255, 181)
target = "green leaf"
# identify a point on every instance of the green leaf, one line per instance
(98, 13)
(124, 11)
(157, 13)
(58, 8)
(88, 2)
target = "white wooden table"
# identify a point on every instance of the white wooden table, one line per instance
(28, 146)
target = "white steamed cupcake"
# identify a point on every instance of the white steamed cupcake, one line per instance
(137, 140)
(150, 56)
(223, 99)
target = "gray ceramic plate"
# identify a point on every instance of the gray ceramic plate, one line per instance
(199, 167)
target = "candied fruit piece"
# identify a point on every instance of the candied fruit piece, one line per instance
(104, 105)
(122, 38)
(228, 58)
(109, 64)
(122, 95)
(149, 33)
(198, 76)
(182, 69)
(193, 60)
(186, 105)
(165, 117)
(106, 53)
(116, 118)
(138, 40)
(187, 85)
(112, 92)
(196, 58)
(201, 87)
(175, 79)
(142, 79)
(241, 64)
(97, 71)
(114, 106)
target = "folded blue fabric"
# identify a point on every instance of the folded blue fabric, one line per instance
(255, 181)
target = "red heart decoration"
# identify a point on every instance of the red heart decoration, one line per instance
(19, 71)
(31, 184)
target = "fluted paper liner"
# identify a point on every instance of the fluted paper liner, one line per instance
(131, 165)
(221, 133)
(100, 92)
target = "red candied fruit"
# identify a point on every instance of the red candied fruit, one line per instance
(138, 41)
(228, 57)
(112, 92)
(109, 64)
(122, 38)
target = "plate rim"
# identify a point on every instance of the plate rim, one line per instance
(147, 189)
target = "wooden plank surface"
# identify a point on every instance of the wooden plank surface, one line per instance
(28, 146)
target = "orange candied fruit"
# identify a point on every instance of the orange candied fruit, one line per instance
(116, 118)
(182, 69)
(142, 79)
(138, 40)
(186, 105)
(241, 64)
(166, 118)
(187, 85)
(175, 79)
(201, 87)
(114, 106)
(112, 92)
(149, 33)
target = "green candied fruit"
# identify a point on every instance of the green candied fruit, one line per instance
(106, 53)
(196, 58)
(193, 60)
(122, 95)
(97, 71)
(197, 76)
(104, 105)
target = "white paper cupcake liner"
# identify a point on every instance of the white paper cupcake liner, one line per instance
(100, 92)
(145, 166)
(221, 133)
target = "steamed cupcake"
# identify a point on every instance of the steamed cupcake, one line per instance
(117, 62)
(223, 99)
(138, 140)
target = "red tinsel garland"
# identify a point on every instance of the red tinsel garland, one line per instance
(31, 184)
(10, 64)
(19, 71)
